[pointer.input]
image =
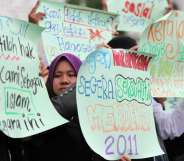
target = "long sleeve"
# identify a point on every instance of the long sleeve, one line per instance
(170, 124)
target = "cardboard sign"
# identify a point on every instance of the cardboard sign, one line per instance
(25, 106)
(164, 38)
(113, 99)
(136, 15)
(74, 29)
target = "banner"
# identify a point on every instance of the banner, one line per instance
(25, 106)
(136, 15)
(74, 29)
(164, 38)
(113, 100)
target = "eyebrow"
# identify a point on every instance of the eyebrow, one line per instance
(69, 71)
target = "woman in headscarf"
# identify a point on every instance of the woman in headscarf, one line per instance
(65, 142)
(61, 89)
(62, 77)
(62, 73)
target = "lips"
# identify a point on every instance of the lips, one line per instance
(63, 89)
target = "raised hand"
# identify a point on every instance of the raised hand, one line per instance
(35, 17)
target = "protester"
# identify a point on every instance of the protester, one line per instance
(62, 74)
(61, 88)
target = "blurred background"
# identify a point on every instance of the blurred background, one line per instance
(21, 8)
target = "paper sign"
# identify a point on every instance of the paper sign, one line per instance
(136, 15)
(113, 100)
(164, 38)
(25, 106)
(74, 29)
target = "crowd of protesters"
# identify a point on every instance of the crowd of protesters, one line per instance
(66, 142)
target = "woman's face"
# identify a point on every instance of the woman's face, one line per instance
(64, 77)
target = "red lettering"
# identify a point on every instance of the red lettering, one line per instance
(132, 7)
(146, 12)
(118, 57)
(126, 6)
(130, 60)
(142, 62)
(139, 10)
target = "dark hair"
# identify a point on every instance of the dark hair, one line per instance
(175, 6)
(124, 42)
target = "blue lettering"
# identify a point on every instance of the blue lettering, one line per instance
(87, 88)
(101, 57)
(75, 47)
(52, 14)
(66, 29)
(97, 20)
(72, 15)
(100, 88)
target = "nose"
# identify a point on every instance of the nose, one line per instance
(64, 79)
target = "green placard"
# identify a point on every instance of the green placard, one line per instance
(136, 15)
(164, 38)
(25, 106)
(113, 100)
(74, 29)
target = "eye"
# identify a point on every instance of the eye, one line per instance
(71, 74)
(57, 75)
